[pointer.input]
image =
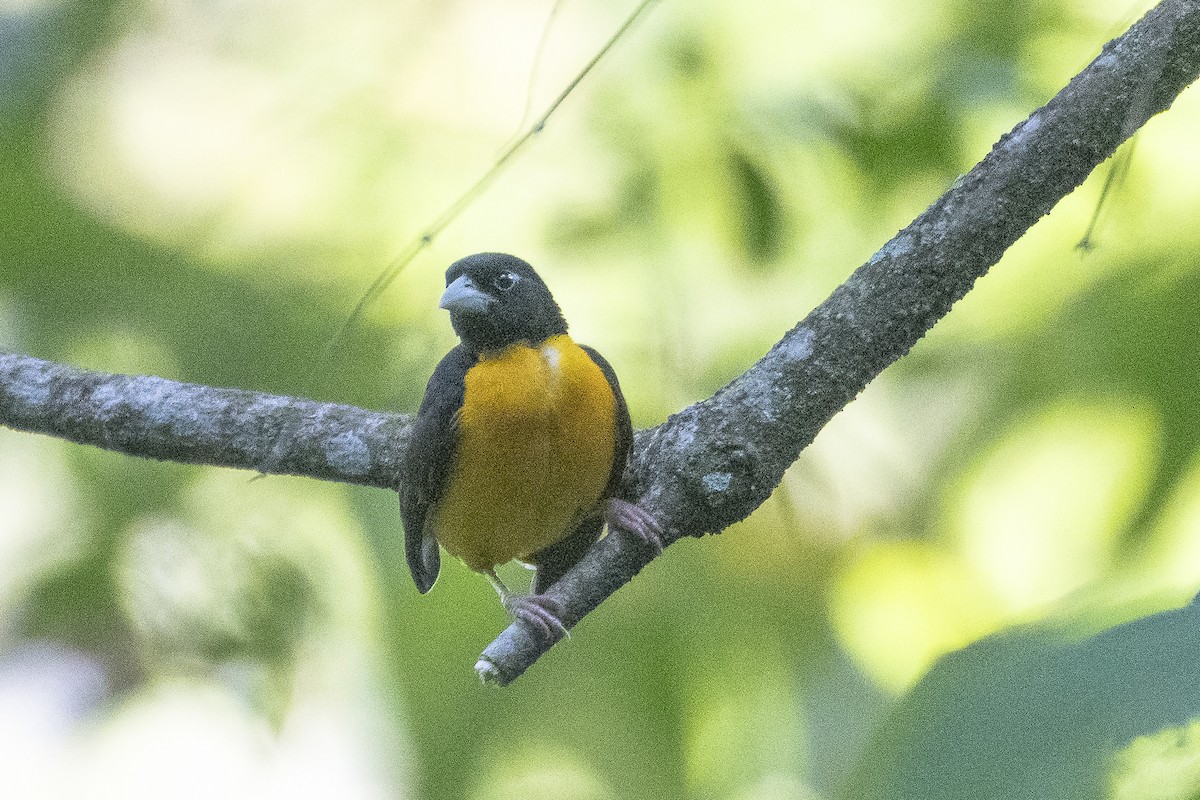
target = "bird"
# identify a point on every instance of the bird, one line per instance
(519, 445)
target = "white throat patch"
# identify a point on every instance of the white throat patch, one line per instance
(552, 357)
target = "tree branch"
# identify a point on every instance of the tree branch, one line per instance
(715, 462)
(163, 419)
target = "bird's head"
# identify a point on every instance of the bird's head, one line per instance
(496, 300)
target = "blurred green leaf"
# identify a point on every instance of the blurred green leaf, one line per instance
(759, 207)
(1034, 714)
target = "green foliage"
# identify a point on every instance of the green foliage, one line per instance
(202, 191)
(1036, 714)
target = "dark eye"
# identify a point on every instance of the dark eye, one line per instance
(504, 281)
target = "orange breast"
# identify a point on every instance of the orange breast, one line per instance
(536, 437)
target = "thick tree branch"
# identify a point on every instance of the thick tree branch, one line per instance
(718, 460)
(158, 418)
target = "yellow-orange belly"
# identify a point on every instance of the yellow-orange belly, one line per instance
(536, 437)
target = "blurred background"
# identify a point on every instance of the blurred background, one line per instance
(202, 191)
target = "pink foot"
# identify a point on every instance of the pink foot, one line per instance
(632, 519)
(539, 612)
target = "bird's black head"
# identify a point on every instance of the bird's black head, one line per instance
(496, 300)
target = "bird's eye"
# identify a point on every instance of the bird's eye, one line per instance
(504, 281)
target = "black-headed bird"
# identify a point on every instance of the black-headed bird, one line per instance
(520, 443)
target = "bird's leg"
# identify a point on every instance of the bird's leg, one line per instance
(632, 519)
(538, 611)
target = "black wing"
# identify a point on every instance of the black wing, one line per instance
(624, 424)
(555, 560)
(428, 461)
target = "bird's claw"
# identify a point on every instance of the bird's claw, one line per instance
(632, 519)
(542, 613)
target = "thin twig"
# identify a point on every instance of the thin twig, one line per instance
(464, 200)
